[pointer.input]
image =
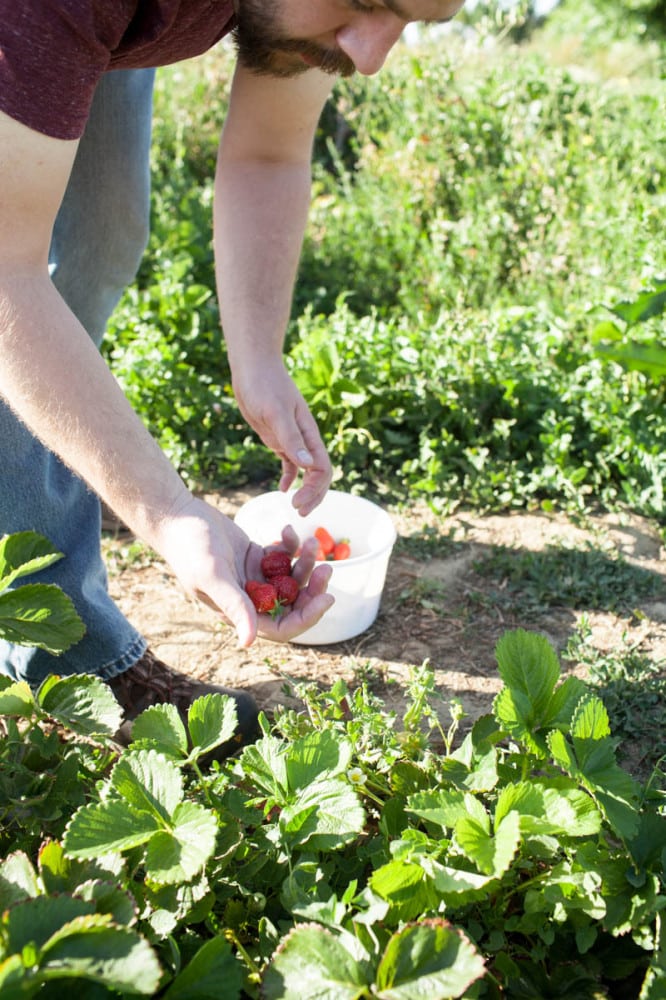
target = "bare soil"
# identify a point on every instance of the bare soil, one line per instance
(440, 605)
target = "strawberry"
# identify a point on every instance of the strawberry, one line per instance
(276, 563)
(341, 550)
(287, 589)
(326, 541)
(263, 596)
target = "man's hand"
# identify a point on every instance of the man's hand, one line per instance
(213, 559)
(273, 406)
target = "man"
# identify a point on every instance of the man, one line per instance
(75, 86)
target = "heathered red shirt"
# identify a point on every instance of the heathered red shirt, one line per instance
(53, 52)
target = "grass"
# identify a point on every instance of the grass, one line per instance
(633, 688)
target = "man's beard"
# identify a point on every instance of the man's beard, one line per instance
(262, 49)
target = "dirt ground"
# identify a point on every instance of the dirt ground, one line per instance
(439, 605)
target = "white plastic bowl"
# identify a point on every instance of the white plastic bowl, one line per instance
(356, 583)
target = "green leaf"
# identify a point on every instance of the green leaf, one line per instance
(320, 753)
(444, 807)
(23, 553)
(160, 728)
(177, 855)
(34, 921)
(39, 614)
(325, 815)
(406, 887)
(646, 305)
(528, 665)
(549, 811)
(312, 964)
(17, 699)
(12, 979)
(214, 964)
(492, 854)
(82, 703)
(212, 720)
(264, 763)
(590, 720)
(458, 886)
(592, 763)
(100, 828)
(92, 948)
(147, 780)
(18, 879)
(429, 959)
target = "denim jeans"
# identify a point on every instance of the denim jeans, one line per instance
(98, 240)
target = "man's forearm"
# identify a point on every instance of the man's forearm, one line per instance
(261, 212)
(53, 377)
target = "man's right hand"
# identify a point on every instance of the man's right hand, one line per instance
(213, 558)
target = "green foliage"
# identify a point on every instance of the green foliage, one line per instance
(644, 353)
(34, 614)
(347, 853)
(441, 318)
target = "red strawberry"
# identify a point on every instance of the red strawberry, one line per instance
(326, 541)
(276, 563)
(342, 550)
(287, 589)
(263, 595)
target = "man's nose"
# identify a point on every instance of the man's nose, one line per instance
(367, 40)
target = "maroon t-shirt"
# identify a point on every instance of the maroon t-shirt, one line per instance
(53, 52)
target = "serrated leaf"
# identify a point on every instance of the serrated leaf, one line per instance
(264, 763)
(527, 663)
(147, 780)
(18, 879)
(325, 816)
(443, 807)
(213, 964)
(566, 697)
(40, 615)
(100, 828)
(320, 753)
(592, 763)
(212, 720)
(515, 713)
(22, 553)
(491, 853)
(312, 964)
(406, 887)
(590, 720)
(428, 959)
(458, 886)
(34, 921)
(17, 700)
(160, 728)
(177, 855)
(480, 775)
(546, 811)
(82, 703)
(94, 949)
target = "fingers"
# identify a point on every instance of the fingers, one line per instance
(313, 601)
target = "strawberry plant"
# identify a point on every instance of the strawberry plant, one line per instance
(348, 853)
(34, 614)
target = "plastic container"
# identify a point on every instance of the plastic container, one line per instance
(356, 583)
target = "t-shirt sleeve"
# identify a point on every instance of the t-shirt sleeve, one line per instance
(52, 54)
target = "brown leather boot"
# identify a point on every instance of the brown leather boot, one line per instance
(152, 682)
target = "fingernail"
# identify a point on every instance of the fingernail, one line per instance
(304, 457)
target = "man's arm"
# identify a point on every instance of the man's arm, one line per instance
(55, 380)
(262, 197)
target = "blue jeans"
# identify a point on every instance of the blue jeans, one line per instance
(98, 240)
